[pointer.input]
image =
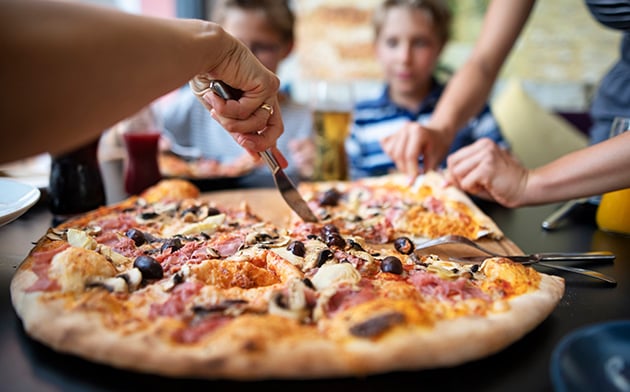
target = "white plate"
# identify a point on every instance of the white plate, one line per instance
(15, 199)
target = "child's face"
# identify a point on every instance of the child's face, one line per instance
(251, 28)
(407, 49)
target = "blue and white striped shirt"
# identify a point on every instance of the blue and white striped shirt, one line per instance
(377, 118)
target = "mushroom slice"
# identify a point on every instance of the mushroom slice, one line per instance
(292, 303)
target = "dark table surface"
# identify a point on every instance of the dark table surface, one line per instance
(26, 365)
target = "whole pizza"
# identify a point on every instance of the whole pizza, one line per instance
(174, 283)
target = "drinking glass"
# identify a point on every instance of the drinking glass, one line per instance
(332, 103)
(613, 213)
(141, 134)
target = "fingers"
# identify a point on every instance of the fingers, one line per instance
(253, 118)
(404, 148)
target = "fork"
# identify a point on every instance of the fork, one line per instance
(458, 239)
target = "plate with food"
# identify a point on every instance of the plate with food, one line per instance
(207, 173)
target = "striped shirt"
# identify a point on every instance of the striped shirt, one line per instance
(375, 119)
(190, 124)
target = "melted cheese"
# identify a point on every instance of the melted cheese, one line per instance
(330, 275)
(74, 266)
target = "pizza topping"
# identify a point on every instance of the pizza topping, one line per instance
(80, 239)
(377, 325)
(137, 236)
(73, 267)
(297, 248)
(149, 267)
(392, 264)
(404, 245)
(128, 281)
(330, 197)
(292, 303)
(174, 244)
(333, 274)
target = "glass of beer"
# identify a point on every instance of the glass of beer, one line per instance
(613, 213)
(332, 103)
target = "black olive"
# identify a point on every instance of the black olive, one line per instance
(174, 243)
(137, 236)
(297, 248)
(149, 215)
(324, 256)
(329, 228)
(311, 236)
(392, 264)
(404, 245)
(149, 267)
(193, 210)
(213, 211)
(330, 197)
(355, 245)
(334, 239)
(474, 268)
(308, 283)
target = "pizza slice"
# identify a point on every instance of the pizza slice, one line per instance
(382, 208)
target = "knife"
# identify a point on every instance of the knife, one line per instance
(546, 257)
(562, 212)
(283, 182)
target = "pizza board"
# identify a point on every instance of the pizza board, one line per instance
(268, 204)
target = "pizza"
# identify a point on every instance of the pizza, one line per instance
(387, 207)
(172, 165)
(175, 283)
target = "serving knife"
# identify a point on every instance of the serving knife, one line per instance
(600, 256)
(284, 184)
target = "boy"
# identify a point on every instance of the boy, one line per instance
(409, 38)
(267, 28)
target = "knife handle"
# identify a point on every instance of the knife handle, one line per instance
(270, 160)
(586, 256)
(225, 91)
(558, 215)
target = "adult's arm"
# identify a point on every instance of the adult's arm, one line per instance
(465, 93)
(69, 71)
(486, 170)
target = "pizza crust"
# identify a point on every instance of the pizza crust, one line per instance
(255, 348)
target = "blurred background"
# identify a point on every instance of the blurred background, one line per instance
(558, 60)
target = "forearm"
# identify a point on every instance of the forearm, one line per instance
(597, 169)
(469, 88)
(124, 60)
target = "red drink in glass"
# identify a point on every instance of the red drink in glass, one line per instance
(141, 167)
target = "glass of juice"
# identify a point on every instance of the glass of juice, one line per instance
(613, 213)
(141, 135)
(141, 167)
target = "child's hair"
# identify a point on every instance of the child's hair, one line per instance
(278, 13)
(437, 10)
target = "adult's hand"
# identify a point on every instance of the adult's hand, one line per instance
(486, 170)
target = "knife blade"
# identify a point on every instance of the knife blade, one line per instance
(284, 184)
(601, 256)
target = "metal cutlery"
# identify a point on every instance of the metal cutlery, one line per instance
(527, 259)
(283, 182)
(552, 221)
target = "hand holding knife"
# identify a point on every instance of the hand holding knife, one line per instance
(283, 182)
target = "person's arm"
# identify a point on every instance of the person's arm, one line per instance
(465, 93)
(485, 170)
(69, 71)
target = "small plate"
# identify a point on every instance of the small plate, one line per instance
(15, 199)
(593, 358)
